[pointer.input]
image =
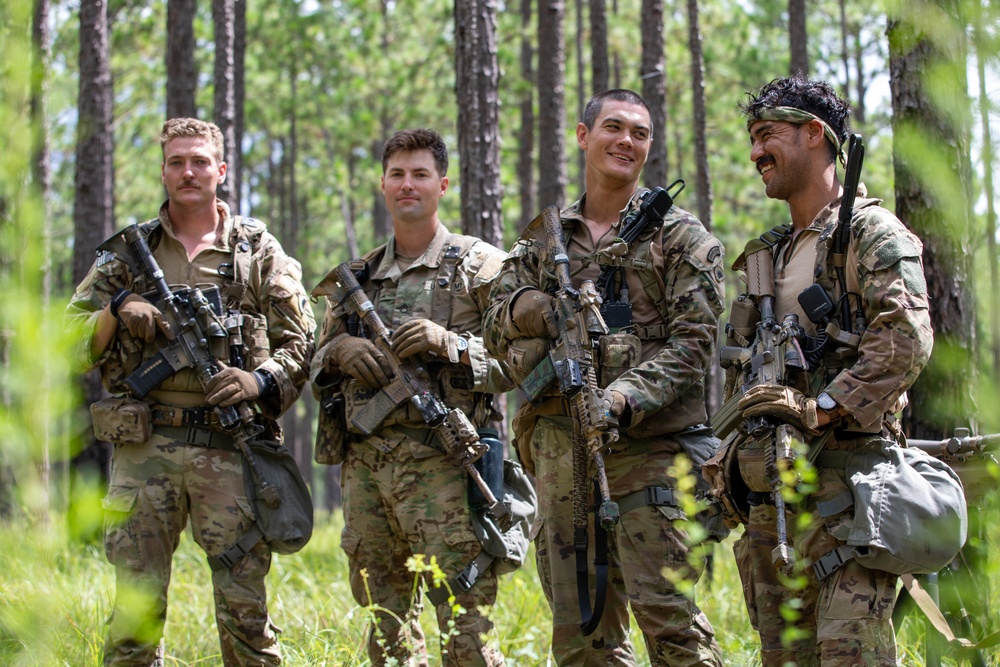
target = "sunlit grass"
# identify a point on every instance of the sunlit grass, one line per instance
(55, 597)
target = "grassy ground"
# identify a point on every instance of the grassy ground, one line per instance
(55, 598)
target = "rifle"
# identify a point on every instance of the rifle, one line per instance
(570, 363)
(970, 456)
(411, 381)
(192, 327)
(842, 235)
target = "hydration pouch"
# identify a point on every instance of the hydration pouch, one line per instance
(122, 420)
(490, 467)
(619, 352)
(331, 433)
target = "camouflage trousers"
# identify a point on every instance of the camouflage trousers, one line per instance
(411, 500)
(843, 620)
(155, 488)
(643, 545)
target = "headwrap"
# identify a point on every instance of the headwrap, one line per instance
(799, 117)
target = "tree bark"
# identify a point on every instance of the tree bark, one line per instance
(551, 105)
(713, 397)
(797, 38)
(224, 19)
(182, 73)
(477, 78)
(581, 91)
(598, 47)
(654, 87)
(939, 213)
(526, 134)
(989, 193)
(93, 209)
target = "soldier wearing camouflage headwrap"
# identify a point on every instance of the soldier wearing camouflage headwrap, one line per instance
(402, 495)
(674, 278)
(855, 387)
(172, 461)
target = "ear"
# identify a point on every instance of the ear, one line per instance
(814, 133)
(581, 136)
(444, 184)
(222, 172)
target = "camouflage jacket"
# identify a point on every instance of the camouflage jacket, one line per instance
(276, 320)
(883, 265)
(440, 285)
(666, 389)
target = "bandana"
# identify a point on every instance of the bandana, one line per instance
(799, 117)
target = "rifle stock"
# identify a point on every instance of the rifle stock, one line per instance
(411, 381)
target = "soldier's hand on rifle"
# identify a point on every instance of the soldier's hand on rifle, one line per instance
(422, 335)
(359, 358)
(231, 386)
(139, 316)
(788, 405)
(534, 315)
(618, 403)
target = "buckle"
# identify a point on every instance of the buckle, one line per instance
(659, 496)
(832, 562)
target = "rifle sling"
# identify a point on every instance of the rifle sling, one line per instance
(591, 618)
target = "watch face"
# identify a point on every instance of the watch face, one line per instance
(463, 344)
(825, 401)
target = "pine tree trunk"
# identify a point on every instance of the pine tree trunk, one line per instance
(654, 90)
(526, 133)
(182, 73)
(477, 78)
(551, 104)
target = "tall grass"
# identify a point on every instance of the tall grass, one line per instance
(55, 597)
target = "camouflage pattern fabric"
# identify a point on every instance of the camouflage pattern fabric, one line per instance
(665, 393)
(155, 489)
(401, 495)
(846, 619)
(158, 485)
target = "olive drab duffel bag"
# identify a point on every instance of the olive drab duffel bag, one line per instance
(910, 513)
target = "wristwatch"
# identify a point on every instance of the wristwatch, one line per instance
(826, 401)
(462, 346)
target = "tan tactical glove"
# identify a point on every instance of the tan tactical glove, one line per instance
(783, 403)
(534, 315)
(617, 403)
(359, 358)
(418, 336)
(139, 316)
(231, 386)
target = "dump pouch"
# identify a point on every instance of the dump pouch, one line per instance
(121, 420)
(287, 527)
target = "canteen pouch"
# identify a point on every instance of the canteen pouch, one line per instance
(121, 420)
(619, 352)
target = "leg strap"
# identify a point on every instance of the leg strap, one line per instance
(461, 582)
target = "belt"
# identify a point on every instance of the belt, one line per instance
(168, 415)
(198, 437)
(424, 436)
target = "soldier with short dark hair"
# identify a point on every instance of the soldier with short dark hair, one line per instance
(403, 495)
(654, 372)
(856, 367)
(173, 461)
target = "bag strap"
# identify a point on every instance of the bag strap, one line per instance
(455, 249)
(241, 548)
(462, 581)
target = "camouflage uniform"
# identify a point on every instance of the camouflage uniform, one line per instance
(402, 496)
(846, 618)
(666, 394)
(156, 486)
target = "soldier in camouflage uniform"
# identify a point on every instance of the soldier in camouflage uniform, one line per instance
(402, 495)
(796, 130)
(675, 279)
(172, 461)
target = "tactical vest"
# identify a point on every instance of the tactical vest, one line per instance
(454, 380)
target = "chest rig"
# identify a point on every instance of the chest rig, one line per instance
(226, 301)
